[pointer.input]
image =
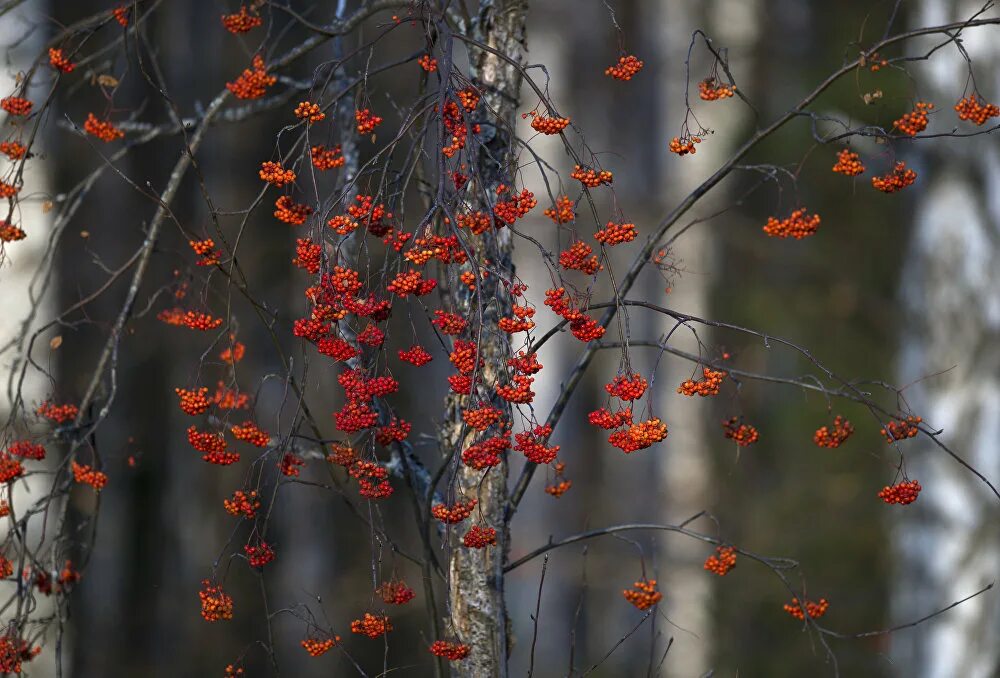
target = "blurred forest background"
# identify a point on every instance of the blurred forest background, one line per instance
(841, 294)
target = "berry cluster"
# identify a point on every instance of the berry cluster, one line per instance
(306, 110)
(711, 89)
(532, 445)
(241, 22)
(708, 385)
(428, 63)
(639, 436)
(722, 561)
(16, 105)
(60, 414)
(371, 626)
(901, 429)
(607, 420)
(13, 149)
(366, 121)
(206, 250)
(216, 605)
(14, 652)
(11, 233)
(259, 554)
(249, 432)
(591, 178)
(902, 493)
(453, 652)
(455, 513)
(896, 180)
(582, 326)
(242, 503)
(684, 145)
(395, 593)
(486, 453)
(202, 322)
(832, 437)
(848, 163)
(291, 212)
(26, 450)
(324, 158)
(797, 225)
(10, 469)
(814, 610)
(517, 206)
(253, 82)
(627, 386)
(579, 258)
(59, 61)
(626, 68)
(545, 124)
(307, 255)
(616, 234)
(643, 594)
(274, 173)
(102, 129)
(743, 434)
(563, 212)
(915, 121)
(372, 479)
(479, 537)
(316, 647)
(89, 476)
(415, 355)
(975, 109)
(192, 402)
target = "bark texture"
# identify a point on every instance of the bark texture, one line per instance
(475, 576)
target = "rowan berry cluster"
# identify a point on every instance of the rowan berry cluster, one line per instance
(213, 447)
(833, 436)
(89, 476)
(317, 648)
(607, 420)
(510, 210)
(560, 484)
(722, 561)
(121, 15)
(307, 255)
(102, 129)
(18, 106)
(563, 213)
(216, 605)
(711, 89)
(797, 225)
(233, 354)
(13, 149)
(454, 513)
(411, 282)
(519, 322)
(875, 63)
(643, 594)
(477, 222)
(307, 110)
(202, 322)
(324, 158)
(8, 190)
(26, 450)
(616, 234)
(395, 593)
(684, 145)
(582, 326)
(366, 121)
(253, 82)
(372, 479)
(273, 173)
(10, 468)
(479, 537)
(206, 250)
(469, 98)
(11, 233)
(708, 385)
(627, 386)
(14, 652)
(580, 257)
(259, 554)
(532, 444)
(428, 63)
(743, 435)
(639, 436)
(60, 414)
(242, 503)
(590, 177)
(453, 652)
(848, 163)
(397, 430)
(975, 109)
(59, 61)
(896, 180)
(545, 124)
(901, 429)
(249, 432)
(371, 626)
(814, 610)
(192, 402)
(626, 68)
(902, 493)
(915, 121)
(242, 21)
(486, 453)
(415, 355)
(525, 363)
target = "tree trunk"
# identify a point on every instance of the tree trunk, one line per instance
(475, 576)
(947, 543)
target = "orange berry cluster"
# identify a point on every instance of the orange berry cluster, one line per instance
(545, 124)
(216, 605)
(289, 464)
(455, 513)
(684, 145)
(428, 63)
(517, 206)
(26, 450)
(233, 354)
(249, 432)
(563, 212)
(11, 233)
(89, 476)
(848, 163)
(324, 158)
(121, 15)
(710, 89)
(234, 671)
(877, 64)
(60, 414)
(372, 479)
(722, 561)
(481, 418)
(626, 68)
(242, 21)
(559, 488)
(203, 322)
(901, 429)
(797, 225)
(826, 436)
(975, 109)
(479, 537)
(206, 250)
(8, 190)
(453, 652)
(14, 652)
(395, 593)
(274, 173)
(532, 445)
(643, 594)
(902, 493)
(708, 385)
(582, 326)
(192, 402)
(486, 453)
(10, 469)
(469, 98)
(13, 149)
(411, 282)
(59, 61)
(616, 234)
(639, 436)
(896, 180)
(306, 110)
(915, 121)
(415, 355)
(519, 322)
(743, 434)
(579, 258)
(259, 554)
(607, 420)
(590, 177)
(814, 610)
(371, 626)
(627, 386)
(102, 129)
(307, 255)
(212, 446)
(242, 504)
(16, 105)
(366, 121)
(253, 82)
(317, 648)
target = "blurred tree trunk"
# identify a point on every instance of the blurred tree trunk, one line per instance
(475, 576)
(947, 543)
